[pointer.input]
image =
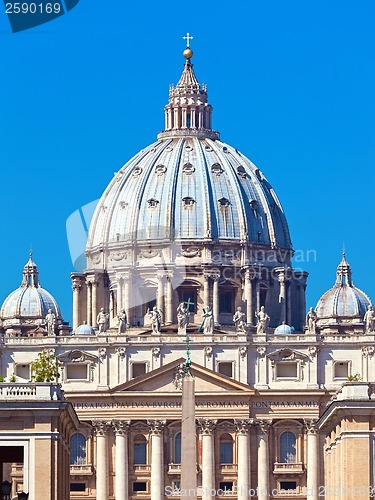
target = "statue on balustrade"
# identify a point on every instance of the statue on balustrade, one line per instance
(263, 320)
(102, 321)
(311, 319)
(239, 320)
(369, 319)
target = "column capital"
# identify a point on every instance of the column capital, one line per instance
(311, 426)
(207, 426)
(156, 427)
(263, 425)
(101, 427)
(76, 284)
(121, 427)
(243, 426)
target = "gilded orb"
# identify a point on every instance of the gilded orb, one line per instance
(188, 53)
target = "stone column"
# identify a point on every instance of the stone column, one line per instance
(160, 296)
(263, 459)
(128, 301)
(216, 300)
(249, 297)
(289, 302)
(121, 428)
(94, 287)
(169, 299)
(243, 460)
(76, 286)
(312, 460)
(101, 429)
(157, 458)
(206, 290)
(207, 428)
(89, 305)
(119, 287)
(282, 296)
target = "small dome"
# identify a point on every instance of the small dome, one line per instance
(28, 305)
(284, 330)
(343, 300)
(84, 329)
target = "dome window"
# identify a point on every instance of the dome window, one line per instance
(224, 202)
(188, 148)
(225, 149)
(169, 148)
(188, 201)
(136, 171)
(152, 203)
(208, 148)
(241, 171)
(160, 169)
(123, 205)
(188, 169)
(217, 169)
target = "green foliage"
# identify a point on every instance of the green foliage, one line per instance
(2, 379)
(45, 368)
(12, 379)
(355, 378)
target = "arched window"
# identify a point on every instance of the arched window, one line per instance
(287, 448)
(140, 450)
(78, 449)
(226, 449)
(177, 448)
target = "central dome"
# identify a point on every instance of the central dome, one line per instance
(188, 186)
(189, 219)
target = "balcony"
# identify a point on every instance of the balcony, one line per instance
(40, 391)
(142, 469)
(81, 470)
(285, 468)
(174, 468)
(226, 468)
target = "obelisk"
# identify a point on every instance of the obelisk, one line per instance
(188, 433)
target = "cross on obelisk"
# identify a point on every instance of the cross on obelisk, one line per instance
(187, 37)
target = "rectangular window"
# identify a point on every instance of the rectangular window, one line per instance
(140, 486)
(288, 485)
(189, 295)
(226, 453)
(286, 370)
(77, 486)
(226, 485)
(138, 369)
(23, 371)
(226, 368)
(76, 371)
(226, 305)
(341, 369)
(140, 453)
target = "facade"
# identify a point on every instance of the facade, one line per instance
(189, 247)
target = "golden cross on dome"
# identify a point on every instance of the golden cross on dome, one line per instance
(187, 37)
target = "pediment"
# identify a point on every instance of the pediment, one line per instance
(76, 356)
(165, 380)
(286, 354)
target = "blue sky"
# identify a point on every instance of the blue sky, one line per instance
(292, 85)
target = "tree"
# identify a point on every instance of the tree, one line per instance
(45, 368)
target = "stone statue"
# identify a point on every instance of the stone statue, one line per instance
(50, 322)
(208, 321)
(155, 317)
(121, 318)
(239, 320)
(311, 321)
(369, 319)
(183, 315)
(263, 320)
(102, 321)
